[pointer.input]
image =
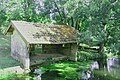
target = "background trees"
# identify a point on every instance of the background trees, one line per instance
(97, 20)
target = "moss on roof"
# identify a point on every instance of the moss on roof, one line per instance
(35, 33)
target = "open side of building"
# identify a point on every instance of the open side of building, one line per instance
(33, 43)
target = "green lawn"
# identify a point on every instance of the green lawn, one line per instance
(5, 59)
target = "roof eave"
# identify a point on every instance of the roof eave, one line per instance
(8, 28)
(13, 26)
(55, 42)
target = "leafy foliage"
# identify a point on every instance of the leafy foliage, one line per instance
(97, 20)
(68, 70)
(20, 10)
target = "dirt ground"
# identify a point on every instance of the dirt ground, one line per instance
(5, 59)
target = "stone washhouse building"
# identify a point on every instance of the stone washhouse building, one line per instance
(33, 43)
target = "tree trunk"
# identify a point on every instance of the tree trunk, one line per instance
(58, 11)
(102, 60)
(72, 22)
(77, 25)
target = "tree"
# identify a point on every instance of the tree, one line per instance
(19, 10)
(97, 20)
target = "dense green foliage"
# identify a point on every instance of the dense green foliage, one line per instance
(97, 20)
(19, 10)
(67, 70)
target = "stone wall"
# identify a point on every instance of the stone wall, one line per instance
(19, 50)
(69, 50)
(11, 70)
(51, 48)
(65, 49)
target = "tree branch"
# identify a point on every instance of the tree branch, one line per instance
(58, 10)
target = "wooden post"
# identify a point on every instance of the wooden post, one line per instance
(74, 49)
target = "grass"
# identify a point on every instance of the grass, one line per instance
(5, 59)
(104, 75)
(16, 77)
